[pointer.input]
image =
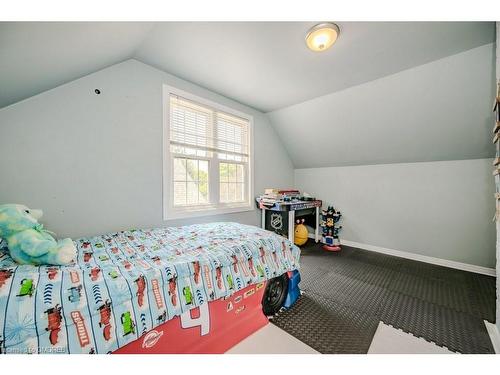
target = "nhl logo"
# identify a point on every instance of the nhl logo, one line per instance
(276, 221)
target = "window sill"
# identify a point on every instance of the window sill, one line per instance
(184, 213)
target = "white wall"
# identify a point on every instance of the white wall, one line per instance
(93, 163)
(437, 209)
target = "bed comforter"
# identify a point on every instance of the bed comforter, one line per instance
(125, 284)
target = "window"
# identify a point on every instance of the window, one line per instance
(190, 181)
(207, 157)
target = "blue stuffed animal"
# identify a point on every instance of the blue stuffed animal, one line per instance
(28, 242)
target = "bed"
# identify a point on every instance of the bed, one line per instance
(125, 285)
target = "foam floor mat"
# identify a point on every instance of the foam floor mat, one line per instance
(327, 326)
(347, 294)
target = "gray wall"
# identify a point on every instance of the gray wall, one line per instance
(437, 209)
(93, 163)
(416, 119)
(437, 111)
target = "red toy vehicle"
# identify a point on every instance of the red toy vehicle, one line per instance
(172, 290)
(196, 266)
(52, 273)
(87, 255)
(4, 276)
(283, 249)
(94, 273)
(252, 268)
(54, 318)
(235, 263)
(105, 320)
(218, 277)
(262, 255)
(275, 257)
(141, 286)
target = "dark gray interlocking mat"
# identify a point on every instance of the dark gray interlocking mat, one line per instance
(348, 293)
(328, 327)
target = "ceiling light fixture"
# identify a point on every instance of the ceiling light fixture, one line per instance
(322, 36)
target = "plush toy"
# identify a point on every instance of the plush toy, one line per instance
(28, 242)
(301, 233)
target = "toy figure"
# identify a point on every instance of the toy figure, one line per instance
(329, 218)
(28, 242)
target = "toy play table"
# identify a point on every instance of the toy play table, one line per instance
(280, 217)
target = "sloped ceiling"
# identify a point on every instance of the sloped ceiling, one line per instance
(268, 66)
(437, 111)
(330, 109)
(265, 65)
(38, 56)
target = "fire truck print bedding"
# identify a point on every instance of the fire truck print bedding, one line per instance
(127, 283)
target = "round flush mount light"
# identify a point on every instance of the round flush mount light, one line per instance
(322, 36)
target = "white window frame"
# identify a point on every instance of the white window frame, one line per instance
(176, 212)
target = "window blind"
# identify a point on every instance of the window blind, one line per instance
(201, 130)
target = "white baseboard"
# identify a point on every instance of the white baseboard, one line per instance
(423, 258)
(494, 335)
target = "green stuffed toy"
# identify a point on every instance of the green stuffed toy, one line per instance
(28, 242)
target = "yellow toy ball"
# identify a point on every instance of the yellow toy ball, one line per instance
(300, 234)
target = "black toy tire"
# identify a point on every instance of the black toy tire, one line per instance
(275, 295)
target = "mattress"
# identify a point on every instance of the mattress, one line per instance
(126, 283)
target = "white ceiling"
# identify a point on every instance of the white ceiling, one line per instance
(267, 65)
(264, 65)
